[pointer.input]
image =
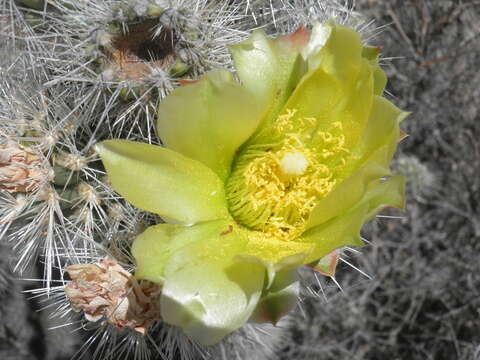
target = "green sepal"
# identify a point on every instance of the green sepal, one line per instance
(327, 265)
(209, 120)
(163, 181)
(279, 300)
(281, 288)
(372, 53)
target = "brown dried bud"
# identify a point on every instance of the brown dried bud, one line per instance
(21, 169)
(107, 290)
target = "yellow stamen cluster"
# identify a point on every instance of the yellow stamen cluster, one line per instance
(274, 187)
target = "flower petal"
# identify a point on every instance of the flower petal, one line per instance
(346, 194)
(273, 268)
(318, 39)
(374, 153)
(339, 232)
(209, 120)
(270, 68)
(382, 129)
(208, 293)
(344, 230)
(390, 192)
(163, 181)
(153, 248)
(341, 50)
(273, 251)
(331, 98)
(343, 78)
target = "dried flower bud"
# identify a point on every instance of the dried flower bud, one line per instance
(107, 290)
(21, 169)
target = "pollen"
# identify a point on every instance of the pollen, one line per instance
(274, 187)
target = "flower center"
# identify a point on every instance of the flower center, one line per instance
(274, 187)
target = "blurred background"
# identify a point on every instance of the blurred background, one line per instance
(422, 300)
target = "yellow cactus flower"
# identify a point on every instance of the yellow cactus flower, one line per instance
(261, 176)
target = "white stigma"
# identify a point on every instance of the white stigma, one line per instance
(293, 163)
